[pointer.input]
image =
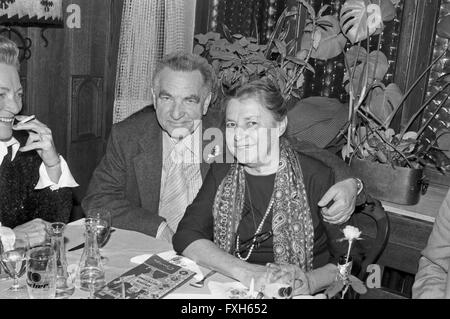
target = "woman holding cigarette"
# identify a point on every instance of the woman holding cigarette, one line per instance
(34, 178)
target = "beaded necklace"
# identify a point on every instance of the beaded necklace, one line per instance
(258, 230)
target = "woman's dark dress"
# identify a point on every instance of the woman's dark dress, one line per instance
(197, 222)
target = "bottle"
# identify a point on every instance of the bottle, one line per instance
(91, 275)
(64, 285)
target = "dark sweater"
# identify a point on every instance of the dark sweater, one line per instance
(19, 201)
(197, 222)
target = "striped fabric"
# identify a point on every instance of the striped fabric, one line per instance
(180, 179)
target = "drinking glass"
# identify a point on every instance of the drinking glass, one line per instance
(101, 218)
(41, 272)
(13, 262)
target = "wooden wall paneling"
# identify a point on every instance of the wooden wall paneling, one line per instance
(416, 46)
(111, 64)
(92, 75)
(45, 88)
(86, 108)
(408, 237)
(202, 11)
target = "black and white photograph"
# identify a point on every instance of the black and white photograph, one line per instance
(228, 156)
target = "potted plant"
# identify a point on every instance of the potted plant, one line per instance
(384, 158)
(391, 163)
(238, 59)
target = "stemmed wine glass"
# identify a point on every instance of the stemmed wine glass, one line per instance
(14, 263)
(101, 218)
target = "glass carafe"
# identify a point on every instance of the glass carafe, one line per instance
(64, 284)
(91, 275)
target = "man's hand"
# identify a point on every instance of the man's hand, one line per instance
(35, 230)
(344, 196)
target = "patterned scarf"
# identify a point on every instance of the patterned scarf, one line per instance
(291, 223)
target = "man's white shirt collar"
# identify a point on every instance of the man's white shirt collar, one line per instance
(188, 148)
(4, 148)
(66, 179)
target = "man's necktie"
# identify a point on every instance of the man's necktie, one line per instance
(7, 157)
(174, 196)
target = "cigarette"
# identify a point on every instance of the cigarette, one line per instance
(27, 119)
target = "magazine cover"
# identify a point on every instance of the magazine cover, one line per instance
(153, 279)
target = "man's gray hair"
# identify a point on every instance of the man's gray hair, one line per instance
(187, 62)
(9, 52)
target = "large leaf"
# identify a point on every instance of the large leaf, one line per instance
(332, 41)
(387, 9)
(204, 38)
(377, 61)
(198, 49)
(383, 101)
(357, 285)
(281, 46)
(443, 141)
(359, 19)
(443, 27)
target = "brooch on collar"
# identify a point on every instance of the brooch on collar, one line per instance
(214, 152)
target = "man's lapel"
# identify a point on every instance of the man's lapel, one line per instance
(148, 167)
(213, 119)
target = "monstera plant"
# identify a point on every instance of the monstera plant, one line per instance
(238, 59)
(372, 104)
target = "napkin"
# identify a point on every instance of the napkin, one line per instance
(172, 257)
(7, 237)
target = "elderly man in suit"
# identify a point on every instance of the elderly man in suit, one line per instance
(153, 166)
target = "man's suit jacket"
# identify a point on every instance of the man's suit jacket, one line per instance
(432, 278)
(127, 181)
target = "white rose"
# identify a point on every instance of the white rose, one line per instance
(351, 233)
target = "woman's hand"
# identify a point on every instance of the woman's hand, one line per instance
(40, 139)
(35, 230)
(256, 272)
(290, 275)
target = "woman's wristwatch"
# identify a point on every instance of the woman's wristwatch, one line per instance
(359, 185)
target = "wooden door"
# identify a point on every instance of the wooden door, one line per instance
(70, 84)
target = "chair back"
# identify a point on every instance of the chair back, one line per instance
(376, 213)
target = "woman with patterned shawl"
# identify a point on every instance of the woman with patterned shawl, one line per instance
(34, 178)
(259, 215)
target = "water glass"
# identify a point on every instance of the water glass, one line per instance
(101, 218)
(41, 272)
(13, 261)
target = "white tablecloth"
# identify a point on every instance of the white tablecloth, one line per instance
(121, 247)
